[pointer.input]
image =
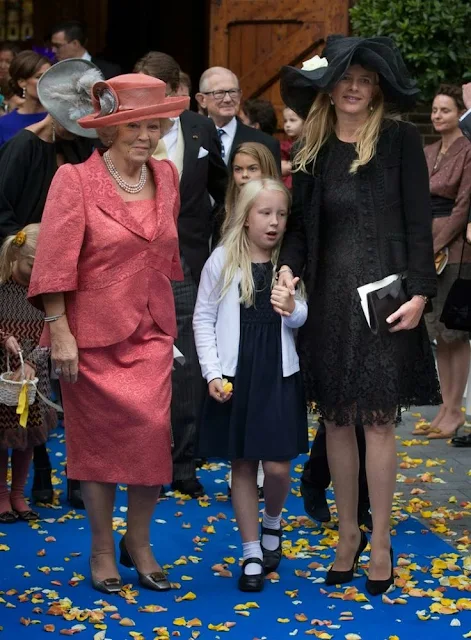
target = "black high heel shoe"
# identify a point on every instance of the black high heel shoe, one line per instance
(42, 486)
(156, 581)
(271, 559)
(341, 577)
(378, 587)
(252, 583)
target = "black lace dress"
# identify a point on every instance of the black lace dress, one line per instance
(350, 373)
(266, 417)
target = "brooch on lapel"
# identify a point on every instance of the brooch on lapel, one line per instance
(195, 136)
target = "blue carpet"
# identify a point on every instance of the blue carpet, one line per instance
(47, 564)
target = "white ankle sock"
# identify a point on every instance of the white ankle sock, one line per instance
(252, 550)
(271, 543)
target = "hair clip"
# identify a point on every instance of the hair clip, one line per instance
(19, 239)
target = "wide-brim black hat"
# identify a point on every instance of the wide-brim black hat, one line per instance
(299, 87)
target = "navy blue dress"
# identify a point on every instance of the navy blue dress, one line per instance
(266, 418)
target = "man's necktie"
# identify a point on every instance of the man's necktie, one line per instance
(221, 132)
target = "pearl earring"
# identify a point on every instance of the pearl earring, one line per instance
(371, 107)
(331, 101)
(24, 93)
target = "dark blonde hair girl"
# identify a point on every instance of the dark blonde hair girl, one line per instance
(268, 169)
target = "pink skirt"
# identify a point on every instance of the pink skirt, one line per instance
(117, 416)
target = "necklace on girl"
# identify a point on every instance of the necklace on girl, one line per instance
(125, 186)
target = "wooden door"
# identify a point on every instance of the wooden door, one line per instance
(254, 38)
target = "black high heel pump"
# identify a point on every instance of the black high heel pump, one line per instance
(378, 587)
(341, 577)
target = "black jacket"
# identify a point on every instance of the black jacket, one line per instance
(249, 134)
(465, 126)
(393, 191)
(108, 69)
(27, 167)
(201, 177)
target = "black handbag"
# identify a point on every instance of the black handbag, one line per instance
(384, 302)
(456, 312)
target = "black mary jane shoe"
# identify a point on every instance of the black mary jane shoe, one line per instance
(74, 494)
(271, 559)
(378, 587)
(109, 586)
(156, 581)
(8, 517)
(251, 583)
(42, 490)
(342, 577)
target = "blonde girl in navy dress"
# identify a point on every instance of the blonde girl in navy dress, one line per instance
(241, 338)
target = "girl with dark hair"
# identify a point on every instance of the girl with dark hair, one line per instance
(25, 71)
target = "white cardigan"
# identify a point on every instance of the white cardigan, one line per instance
(217, 324)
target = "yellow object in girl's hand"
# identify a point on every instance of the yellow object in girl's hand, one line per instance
(227, 386)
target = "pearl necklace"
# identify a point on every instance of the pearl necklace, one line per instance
(125, 186)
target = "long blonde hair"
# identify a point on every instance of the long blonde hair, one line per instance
(21, 245)
(236, 241)
(264, 157)
(320, 124)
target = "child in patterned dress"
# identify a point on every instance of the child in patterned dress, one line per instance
(21, 326)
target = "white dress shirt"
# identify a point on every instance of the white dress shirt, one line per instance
(171, 139)
(87, 56)
(216, 324)
(227, 138)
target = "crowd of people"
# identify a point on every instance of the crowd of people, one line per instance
(132, 225)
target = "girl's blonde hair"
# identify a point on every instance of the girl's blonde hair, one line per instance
(320, 124)
(264, 157)
(21, 245)
(236, 241)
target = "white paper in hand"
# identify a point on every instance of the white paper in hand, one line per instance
(178, 356)
(374, 286)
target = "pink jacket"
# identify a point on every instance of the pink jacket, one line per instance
(91, 248)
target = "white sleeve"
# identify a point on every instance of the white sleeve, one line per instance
(298, 317)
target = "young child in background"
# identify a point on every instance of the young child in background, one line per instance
(251, 161)
(240, 337)
(21, 327)
(292, 125)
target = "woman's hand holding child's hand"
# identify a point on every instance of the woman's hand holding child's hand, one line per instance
(220, 390)
(282, 297)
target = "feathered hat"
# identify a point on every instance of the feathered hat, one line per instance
(299, 87)
(65, 91)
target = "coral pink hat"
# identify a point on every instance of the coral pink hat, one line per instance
(130, 98)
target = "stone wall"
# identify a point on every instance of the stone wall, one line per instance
(421, 117)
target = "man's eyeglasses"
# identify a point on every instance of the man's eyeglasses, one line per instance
(220, 94)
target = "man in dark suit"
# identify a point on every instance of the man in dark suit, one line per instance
(465, 120)
(192, 144)
(220, 95)
(68, 40)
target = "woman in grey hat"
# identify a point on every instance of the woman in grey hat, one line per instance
(28, 163)
(361, 214)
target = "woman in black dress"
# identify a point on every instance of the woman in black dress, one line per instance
(361, 212)
(28, 163)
